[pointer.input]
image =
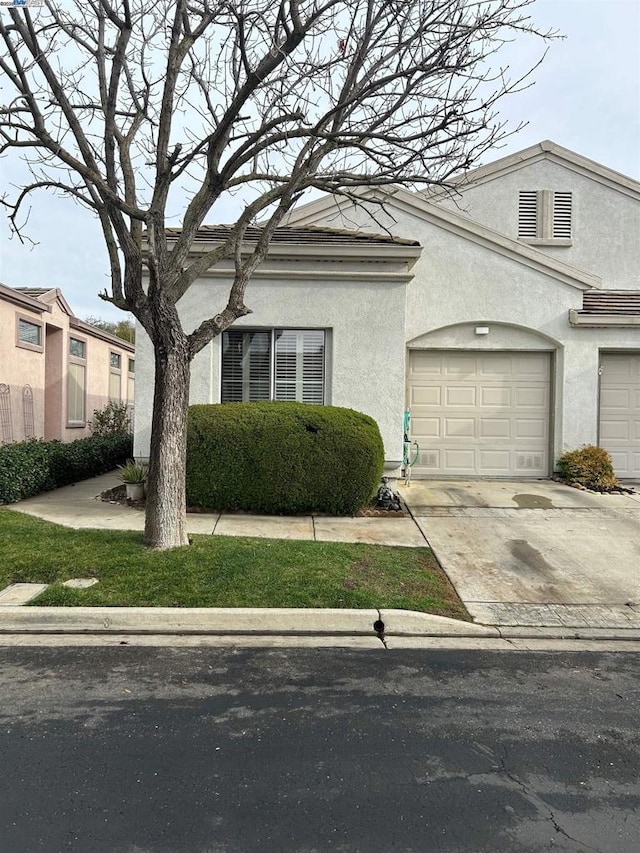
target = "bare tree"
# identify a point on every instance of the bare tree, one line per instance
(141, 109)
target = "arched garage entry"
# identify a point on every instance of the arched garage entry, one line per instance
(481, 404)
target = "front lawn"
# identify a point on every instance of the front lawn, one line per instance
(220, 571)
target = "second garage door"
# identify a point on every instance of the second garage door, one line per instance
(480, 413)
(620, 411)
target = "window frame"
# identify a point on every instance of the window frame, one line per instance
(24, 318)
(115, 371)
(131, 378)
(272, 330)
(546, 218)
(79, 361)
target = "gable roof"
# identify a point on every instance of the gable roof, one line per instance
(545, 150)
(456, 223)
(48, 295)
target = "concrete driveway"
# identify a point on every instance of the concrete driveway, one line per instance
(534, 552)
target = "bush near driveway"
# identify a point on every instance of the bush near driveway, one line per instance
(28, 468)
(282, 458)
(589, 466)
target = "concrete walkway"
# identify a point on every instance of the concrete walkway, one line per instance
(79, 506)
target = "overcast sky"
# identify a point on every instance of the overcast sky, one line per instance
(586, 97)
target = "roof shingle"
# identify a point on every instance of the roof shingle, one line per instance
(308, 234)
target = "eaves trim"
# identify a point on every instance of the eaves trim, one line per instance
(294, 251)
(94, 332)
(335, 276)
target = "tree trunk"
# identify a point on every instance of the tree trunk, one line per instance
(165, 522)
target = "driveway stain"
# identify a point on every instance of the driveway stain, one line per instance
(533, 502)
(531, 557)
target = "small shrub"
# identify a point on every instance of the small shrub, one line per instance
(28, 468)
(282, 458)
(133, 472)
(589, 466)
(111, 419)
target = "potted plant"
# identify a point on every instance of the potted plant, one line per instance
(134, 476)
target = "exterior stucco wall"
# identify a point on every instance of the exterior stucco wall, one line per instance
(46, 372)
(605, 221)
(459, 285)
(20, 367)
(365, 345)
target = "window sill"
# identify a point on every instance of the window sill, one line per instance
(76, 425)
(32, 347)
(546, 241)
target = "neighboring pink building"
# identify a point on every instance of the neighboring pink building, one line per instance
(55, 369)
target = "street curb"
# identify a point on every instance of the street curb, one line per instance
(276, 622)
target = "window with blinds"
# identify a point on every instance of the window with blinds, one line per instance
(246, 366)
(545, 216)
(299, 365)
(273, 364)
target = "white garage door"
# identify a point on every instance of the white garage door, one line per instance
(480, 413)
(620, 411)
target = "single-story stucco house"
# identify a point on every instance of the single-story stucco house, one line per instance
(505, 316)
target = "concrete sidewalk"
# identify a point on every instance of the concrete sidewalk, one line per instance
(79, 506)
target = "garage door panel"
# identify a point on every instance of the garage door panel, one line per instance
(459, 461)
(495, 396)
(494, 462)
(460, 366)
(531, 462)
(459, 428)
(424, 363)
(495, 366)
(425, 427)
(615, 398)
(494, 427)
(531, 366)
(620, 411)
(421, 396)
(613, 430)
(460, 396)
(531, 428)
(531, 396)
(492, 410)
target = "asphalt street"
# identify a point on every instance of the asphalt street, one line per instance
(201, 750)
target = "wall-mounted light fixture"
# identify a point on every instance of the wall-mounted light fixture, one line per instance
(482, 330)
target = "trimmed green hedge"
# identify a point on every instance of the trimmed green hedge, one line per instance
(30, 467)
(282, 458)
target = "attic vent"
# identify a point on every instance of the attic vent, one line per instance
(544, 217)
(562, 215)
(528, 213)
